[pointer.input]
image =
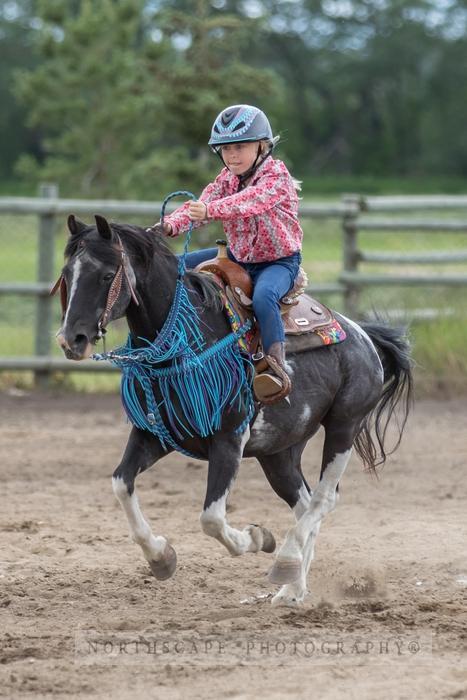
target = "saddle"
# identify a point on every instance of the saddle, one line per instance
(307, 322)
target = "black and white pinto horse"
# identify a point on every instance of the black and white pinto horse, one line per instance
(352, 389)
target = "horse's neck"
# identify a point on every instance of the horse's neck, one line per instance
(155, 291)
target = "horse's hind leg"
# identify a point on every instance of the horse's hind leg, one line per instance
(289, 564)
(142, 450)
(225, 455)
(284, 473)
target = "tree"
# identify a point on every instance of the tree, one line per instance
(17, 50)
(92, 96)
(124, 93)
(123, 109)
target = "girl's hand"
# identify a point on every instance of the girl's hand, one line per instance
(166, 230)
(197, 211)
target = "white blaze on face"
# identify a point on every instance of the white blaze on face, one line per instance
(76, 271)
(61, 335)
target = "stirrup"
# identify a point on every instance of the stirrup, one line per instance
(270, 387)
(266, 385)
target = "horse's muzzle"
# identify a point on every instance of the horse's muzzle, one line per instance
(79, 347)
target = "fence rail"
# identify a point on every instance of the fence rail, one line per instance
(353, 211)
(52, 206)
(362, 220)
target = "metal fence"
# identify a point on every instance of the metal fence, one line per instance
(339, 236)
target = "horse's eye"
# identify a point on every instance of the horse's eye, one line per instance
(108, 277)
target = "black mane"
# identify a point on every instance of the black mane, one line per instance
(140, 244)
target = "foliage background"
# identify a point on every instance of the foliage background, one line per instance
(117, 98)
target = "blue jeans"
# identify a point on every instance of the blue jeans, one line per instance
(271, 281)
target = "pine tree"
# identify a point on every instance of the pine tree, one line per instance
(92, 96)
(124, 98)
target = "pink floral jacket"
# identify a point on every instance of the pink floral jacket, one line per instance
(260, 222)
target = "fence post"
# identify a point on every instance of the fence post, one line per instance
(350, 252)
(45, 272)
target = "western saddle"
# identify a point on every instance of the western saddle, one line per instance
(302, 315)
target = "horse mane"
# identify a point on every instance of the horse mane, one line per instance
(207, 289)
(139, 243)
(143, 246)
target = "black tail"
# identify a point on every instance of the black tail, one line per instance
(394, 350)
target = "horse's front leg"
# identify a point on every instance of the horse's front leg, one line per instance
(142, 450)
(225, 455)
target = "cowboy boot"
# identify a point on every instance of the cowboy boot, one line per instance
(273, 384)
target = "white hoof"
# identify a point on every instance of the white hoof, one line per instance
(289, 595)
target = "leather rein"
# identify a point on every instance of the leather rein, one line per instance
(114, 291)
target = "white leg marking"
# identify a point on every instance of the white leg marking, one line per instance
(214, 522)
(153, 547)
(300, 541)
(304, 498)
(292, 594)
(322, 502)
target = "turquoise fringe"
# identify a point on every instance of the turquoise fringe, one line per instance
(195, 392)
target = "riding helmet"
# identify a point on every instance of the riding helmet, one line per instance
(240, 123)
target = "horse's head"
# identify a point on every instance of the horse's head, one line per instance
(97, 284)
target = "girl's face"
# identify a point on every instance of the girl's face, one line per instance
(239, 157)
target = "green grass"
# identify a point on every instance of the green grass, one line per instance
(439, 346)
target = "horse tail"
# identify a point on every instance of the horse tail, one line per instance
(394, 350)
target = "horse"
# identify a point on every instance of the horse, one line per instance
(352, 389)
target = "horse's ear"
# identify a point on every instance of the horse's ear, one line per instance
(75, 226)
(103, 227)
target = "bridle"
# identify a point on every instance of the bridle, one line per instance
(114, 291)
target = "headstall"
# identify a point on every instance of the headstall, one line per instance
(114, 291)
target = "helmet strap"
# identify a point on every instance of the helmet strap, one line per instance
(258, 161)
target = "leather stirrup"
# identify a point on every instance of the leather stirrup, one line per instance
(265, 383)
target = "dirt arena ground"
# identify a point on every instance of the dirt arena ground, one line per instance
(80, 615)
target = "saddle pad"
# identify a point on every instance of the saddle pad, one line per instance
(326, 335)
(306, 316)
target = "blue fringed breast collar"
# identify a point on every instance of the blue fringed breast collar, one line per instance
(198, 387)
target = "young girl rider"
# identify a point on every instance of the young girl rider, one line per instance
(256, 199)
